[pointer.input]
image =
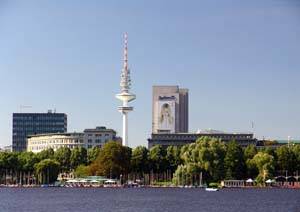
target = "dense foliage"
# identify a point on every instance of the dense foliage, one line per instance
(207, 160)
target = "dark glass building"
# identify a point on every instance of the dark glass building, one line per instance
(26, 124)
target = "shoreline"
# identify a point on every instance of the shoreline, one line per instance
(148, 187)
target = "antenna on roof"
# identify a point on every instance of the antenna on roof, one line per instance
(24, 107)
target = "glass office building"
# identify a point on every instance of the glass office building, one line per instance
(26, 124)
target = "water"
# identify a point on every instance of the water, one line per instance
(148, 200)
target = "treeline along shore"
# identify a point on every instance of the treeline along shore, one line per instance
(207, 158)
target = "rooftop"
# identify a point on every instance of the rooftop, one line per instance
(217, 132)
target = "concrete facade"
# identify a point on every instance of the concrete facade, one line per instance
(169, 109)
(180, 139)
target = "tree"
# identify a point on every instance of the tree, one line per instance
(157, 157)
(186, 175)
(78, 157)
(113, 160)
(249, 152)
(265, 165)
(47, 171)
(46, 154)
(173, 158)
(27, 160)
(13, 165)
(4, 166)
(139, 160)
(234, 161)
(208, 154)
(286, 160)
(63, 155)
(92, 154)
(296, 151)
(82, 171)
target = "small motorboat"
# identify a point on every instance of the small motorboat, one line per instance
(211, 189)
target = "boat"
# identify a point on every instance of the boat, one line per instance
(111, 184)
(211, 189)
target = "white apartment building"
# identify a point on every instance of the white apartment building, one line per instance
(88, 139)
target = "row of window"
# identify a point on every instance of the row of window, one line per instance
(55, 147)
(97, 140)
(59, 141)
(39, 118)
(98, 135)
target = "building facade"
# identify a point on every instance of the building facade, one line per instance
(180, 139)
(40, 142)
(99, 136)
(6, 149)
(87, 139)
(27, 124)
(169, 109)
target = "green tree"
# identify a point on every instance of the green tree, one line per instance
(82, 171)
(234, 161)
(47, 171)
(249, 152)
(208, 154)
(78, 157)
(92, 154)
(157, 157)
(187, 175)
(27, 161)
(63, 156)
(265, 165)
(296, 151)
(286, 160)
(139, 160)
(173, 158)
(13, 166)
(4, 166)
(46, 154)
(113, 160)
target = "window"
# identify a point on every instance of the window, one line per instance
(90, 141)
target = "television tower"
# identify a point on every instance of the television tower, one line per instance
(125, 96)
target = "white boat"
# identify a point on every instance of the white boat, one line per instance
(111, 184)
(211, 189)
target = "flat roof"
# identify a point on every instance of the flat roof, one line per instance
(53, 134)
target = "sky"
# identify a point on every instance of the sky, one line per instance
(240, 61)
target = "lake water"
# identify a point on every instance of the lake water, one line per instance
(148, 200)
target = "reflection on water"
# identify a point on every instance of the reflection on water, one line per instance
(152, 200)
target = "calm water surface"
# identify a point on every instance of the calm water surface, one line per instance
(148, 200)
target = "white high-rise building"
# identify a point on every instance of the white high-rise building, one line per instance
(125, 96)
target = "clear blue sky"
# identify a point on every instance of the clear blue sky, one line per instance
(239, 59)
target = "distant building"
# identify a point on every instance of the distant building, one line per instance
(180, 139)
(40, 142)
(88, 139)
(170, 109)
(99, 136)
(6, 149)
(28, 124)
